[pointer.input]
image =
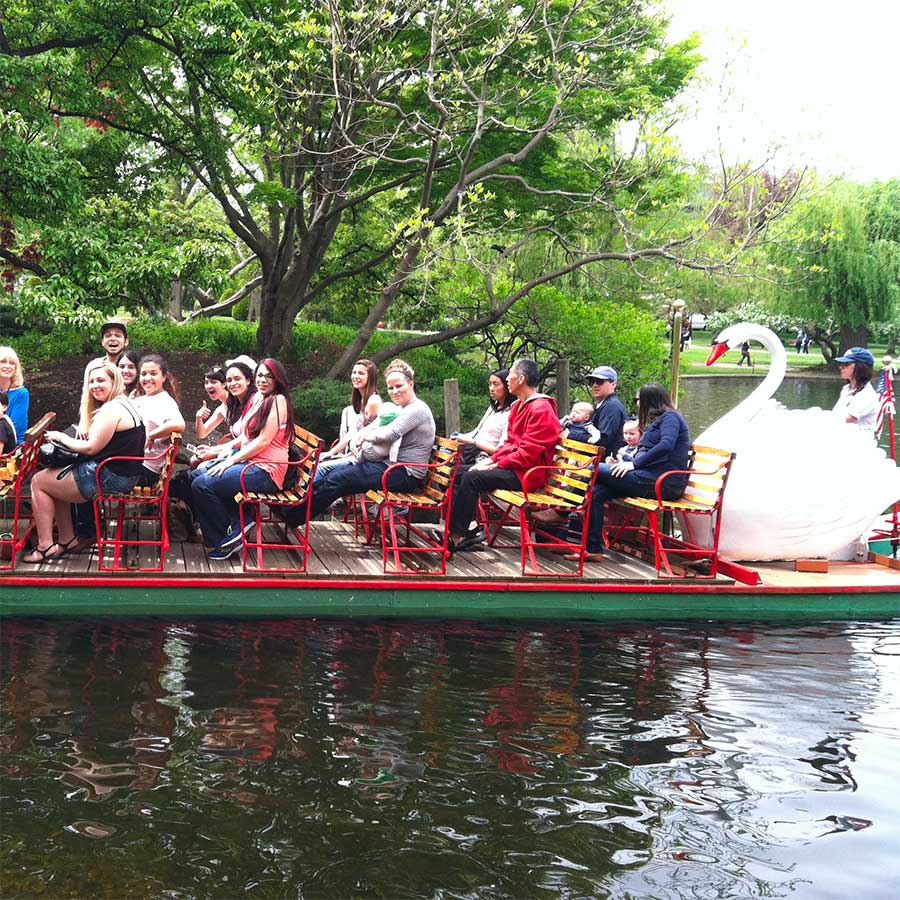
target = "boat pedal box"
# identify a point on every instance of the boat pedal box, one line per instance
(811, 565)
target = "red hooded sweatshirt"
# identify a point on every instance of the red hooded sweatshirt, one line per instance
(532, 436)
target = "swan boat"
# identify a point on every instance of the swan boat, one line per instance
(345, 579)
(804, 484)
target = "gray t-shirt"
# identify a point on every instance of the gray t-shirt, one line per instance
(415, 428)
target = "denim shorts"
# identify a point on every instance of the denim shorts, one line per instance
(85, 475)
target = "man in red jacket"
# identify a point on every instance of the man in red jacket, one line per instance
(532, 435)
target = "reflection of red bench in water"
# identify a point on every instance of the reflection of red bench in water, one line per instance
(16, 469)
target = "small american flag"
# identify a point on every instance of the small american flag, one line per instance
(885, 400)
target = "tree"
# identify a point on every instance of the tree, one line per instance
(419, 126)
(839, 264)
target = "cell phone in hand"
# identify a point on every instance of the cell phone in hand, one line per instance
(191, 448)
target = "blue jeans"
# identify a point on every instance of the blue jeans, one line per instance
(608, 486)
(357, 478)
(213, 500)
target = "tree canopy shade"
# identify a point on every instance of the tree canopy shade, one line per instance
(359, 142)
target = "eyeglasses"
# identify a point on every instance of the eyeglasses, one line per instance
(265, 376)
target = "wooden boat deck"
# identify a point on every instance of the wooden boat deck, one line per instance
(336, 553)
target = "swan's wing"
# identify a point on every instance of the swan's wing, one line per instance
(804, 485)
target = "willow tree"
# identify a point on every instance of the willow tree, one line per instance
(839, 262)
(358, 139)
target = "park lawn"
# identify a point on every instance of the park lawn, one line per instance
(693, 359)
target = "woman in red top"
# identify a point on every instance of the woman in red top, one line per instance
(264, 443)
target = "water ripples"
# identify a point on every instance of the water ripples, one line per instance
(322, 759)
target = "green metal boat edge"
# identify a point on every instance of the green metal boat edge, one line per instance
(537, 602)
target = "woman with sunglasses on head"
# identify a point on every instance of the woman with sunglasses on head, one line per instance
(240, 406)
(158, 406)
(263, 444)
(664, 445)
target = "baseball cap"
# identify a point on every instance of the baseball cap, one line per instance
(857, 354)
(113, 323)
(603, 373)
(243, 358)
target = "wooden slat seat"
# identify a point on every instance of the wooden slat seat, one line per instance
(395, 508)
(707, 471)
(304, 460)
(120, 518)
(570, 481)
(16, 469)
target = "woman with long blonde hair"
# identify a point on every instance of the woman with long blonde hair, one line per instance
(114, 428)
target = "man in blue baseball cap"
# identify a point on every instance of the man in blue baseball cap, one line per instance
(610, 413)
(858, 403)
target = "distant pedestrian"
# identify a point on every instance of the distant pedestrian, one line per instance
(798, 344)
(806, 342)
(745, 354)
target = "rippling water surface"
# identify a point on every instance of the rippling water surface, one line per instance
(401, 759)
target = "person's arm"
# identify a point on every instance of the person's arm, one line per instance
(18, 411)
(409, 417)
(373, 405)
(669, 429)
(206, 424)
(253, 447)
(100, 432)
(541, 432)
(172, 424)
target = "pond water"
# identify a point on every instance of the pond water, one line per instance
(320, 759)
(705, 398)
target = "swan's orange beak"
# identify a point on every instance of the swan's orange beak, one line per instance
(715, 352)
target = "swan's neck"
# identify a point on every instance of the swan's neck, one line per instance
(760, 396)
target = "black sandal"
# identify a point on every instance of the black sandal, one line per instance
(43, 551)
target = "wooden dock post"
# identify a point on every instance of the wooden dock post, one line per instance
(451, 405)
(562, 386)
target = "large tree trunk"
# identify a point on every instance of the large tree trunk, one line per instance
(853, 336)
(276, 319)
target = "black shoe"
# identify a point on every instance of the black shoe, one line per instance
(473, 540)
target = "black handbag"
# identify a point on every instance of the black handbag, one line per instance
(55, 456)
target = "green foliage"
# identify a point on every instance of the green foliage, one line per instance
(840, 258)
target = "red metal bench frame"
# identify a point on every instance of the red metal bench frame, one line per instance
(123, 511)
(24, 459)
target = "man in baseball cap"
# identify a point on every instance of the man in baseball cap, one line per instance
(610, 413)
(114, 337)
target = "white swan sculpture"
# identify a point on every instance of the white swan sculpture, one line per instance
(804, 483)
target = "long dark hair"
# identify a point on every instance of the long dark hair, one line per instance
(135, 357)
(508, 398)
(359, 399)
(233, 405)
(256, 423)
(170, 382)
(653, 401)
(862, 375)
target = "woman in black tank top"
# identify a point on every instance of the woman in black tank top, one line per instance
(115, 429)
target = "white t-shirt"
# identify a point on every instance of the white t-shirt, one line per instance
(156, 410)
(863, 406)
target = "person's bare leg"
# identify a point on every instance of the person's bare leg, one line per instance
(51, 498)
